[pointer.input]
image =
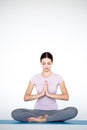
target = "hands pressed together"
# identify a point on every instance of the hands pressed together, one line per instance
(63, 96)
(45, 89)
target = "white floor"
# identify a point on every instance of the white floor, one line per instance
(42, 127)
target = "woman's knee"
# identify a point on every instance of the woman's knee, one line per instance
(73, 111)
(15, 113)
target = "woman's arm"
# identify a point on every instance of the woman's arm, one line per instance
(28, 96)
(64, 93)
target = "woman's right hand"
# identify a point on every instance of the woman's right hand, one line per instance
(45, 89)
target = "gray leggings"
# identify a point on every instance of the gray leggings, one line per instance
(53, 115)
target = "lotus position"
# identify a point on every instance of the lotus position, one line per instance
(46, 107)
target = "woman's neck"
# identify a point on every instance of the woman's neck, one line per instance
(46, 74)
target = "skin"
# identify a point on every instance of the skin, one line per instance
(46, 64)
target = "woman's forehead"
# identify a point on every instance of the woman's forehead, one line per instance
(46, 60)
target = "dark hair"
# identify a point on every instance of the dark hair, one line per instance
(46, 55)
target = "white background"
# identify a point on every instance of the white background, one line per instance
(27, 29)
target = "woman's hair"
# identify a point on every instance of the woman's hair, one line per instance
(46, 55)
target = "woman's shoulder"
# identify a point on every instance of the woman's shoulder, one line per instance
(34, 78)
(36, 75)
(57, 75)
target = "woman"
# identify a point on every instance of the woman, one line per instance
(46, 84)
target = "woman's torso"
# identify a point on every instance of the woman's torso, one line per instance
(46, 103)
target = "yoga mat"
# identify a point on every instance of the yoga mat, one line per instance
(70, 122)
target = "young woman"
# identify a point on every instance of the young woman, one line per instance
(46, 84)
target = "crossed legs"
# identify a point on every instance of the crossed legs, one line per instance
(27, 115)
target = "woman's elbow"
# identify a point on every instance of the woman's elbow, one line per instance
(66, 97)
(26, 98)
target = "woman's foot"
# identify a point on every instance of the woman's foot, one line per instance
(37, 119)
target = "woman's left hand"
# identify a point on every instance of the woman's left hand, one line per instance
(46, 87)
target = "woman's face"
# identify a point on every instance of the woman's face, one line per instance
(46, 64)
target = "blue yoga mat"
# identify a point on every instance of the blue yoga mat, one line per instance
(70, 122)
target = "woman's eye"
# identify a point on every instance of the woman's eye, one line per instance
(46, 63)
(43, 63)
(49, 63)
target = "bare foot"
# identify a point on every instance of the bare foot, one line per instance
(44, 116)
(37, 119)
